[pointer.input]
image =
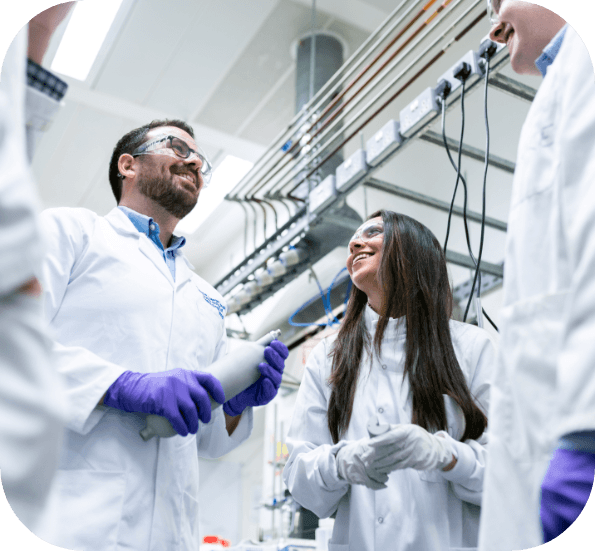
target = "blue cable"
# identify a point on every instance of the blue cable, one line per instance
(326, 301)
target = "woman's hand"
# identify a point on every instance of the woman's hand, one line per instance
(411, 446)
(354, 464)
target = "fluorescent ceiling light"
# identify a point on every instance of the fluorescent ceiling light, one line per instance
(84, 35)
(225, 177)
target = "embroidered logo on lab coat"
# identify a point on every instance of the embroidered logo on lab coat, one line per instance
(214, 303)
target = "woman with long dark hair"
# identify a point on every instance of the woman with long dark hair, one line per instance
(397, 360)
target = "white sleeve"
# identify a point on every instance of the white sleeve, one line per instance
(311, 471)
(576, 155)
(20, 246)
(86, 376)
(467, 475)
(40, 111)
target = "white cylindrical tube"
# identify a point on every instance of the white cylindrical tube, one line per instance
(293, 256)
(277, 269)
(236, 371)
(263, 278)
(252, 288)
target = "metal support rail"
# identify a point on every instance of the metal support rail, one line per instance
(467, 262)
(513, 87)
(468, 151)
(417, 197)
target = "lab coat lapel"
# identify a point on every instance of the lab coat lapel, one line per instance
(184, 270)
(124, 226)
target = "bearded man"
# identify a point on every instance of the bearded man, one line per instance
(135, 331)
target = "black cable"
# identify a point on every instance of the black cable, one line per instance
(490, 320)
(464, 182)
(483, 206)
(461, 177)
(458, 167)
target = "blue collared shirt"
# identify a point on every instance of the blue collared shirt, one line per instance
(550, 51)
(150, 228)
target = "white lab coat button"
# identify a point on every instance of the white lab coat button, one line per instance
(380, 520)
(380, 410)
(383, 366)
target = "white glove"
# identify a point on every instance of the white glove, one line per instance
(410, 446)
(354, 465)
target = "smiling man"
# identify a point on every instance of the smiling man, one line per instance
(136, 330)
(542, 414)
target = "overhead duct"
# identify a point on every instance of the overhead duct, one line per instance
(313, 70)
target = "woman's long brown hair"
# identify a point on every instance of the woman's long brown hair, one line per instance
(415, 281)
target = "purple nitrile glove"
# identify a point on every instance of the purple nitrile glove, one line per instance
(179, 395)
(265, 389)
(565, 490)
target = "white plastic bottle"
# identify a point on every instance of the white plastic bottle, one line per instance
(236, 371)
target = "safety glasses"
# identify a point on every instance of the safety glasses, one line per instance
(176, 147)
(368, 231)
(493, 9)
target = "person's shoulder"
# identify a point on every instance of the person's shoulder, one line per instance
(466, 332)
(68, 217)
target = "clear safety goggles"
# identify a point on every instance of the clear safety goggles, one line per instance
(176, 147)
(368, 231)
(493, 9)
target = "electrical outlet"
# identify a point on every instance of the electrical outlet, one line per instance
(323, 194)
(383, 143)
(351, 170)
(500, 49)
(471, 58)
(417, 113)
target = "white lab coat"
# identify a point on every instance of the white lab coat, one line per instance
(30, 394)
(420, 510)
(544, 384)
(113, 306)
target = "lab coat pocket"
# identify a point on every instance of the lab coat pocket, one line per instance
(525, 386)
(89, 508)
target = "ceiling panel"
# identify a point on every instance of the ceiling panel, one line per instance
(144, 47)
(211, 45)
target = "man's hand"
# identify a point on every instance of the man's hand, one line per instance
(179, 395)
(42, 27)
(265, 389)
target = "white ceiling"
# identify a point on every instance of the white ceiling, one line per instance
(226, 67)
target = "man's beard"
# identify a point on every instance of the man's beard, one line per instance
(175, 201)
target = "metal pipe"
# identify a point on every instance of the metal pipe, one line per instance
(312, 50)
(390, 100)
(392, 83)
(360, 98)
(350, 64)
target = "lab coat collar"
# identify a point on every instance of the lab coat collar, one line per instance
(396, 326)
(124, 226)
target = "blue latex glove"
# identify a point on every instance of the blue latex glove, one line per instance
(265, 389)
(179, 395)
(565, 490)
